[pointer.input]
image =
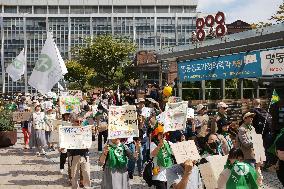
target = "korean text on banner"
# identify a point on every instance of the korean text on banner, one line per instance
(21, 116)
(122, 122)
(211, 170)
(75, 137)
(242, 65)
(272, 62)
(69, 104)
(175, 117)
(185, 150)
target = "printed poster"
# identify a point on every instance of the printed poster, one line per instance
(75, 137)
(272, 62)
(122, 122)
(69, 104)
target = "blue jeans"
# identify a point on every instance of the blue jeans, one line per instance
(132, 162)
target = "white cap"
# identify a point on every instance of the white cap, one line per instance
(199, 107)
(141, 100)
(222, 105)
(248, 114)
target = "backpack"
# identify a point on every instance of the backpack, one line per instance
(148, 172)
(262, 121)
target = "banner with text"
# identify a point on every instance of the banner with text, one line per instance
(122, 122)
(242, 65)
(272, 62)
(75, 137)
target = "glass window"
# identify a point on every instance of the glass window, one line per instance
(77, 10)
(40, 9)
(105, 9)
(64, 9)
(162, 9)
(133, 9)
(119, 9)
(189, 9)
(176, 9)
(25, 9)
(148, 9)
(53, 9)
(10, 9)
(91, 9)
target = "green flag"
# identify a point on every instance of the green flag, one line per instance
(275, 98)
(243, 176)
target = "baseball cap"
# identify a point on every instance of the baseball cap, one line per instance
(199, 107)
(222, 105)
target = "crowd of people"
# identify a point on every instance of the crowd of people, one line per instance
(150, 153)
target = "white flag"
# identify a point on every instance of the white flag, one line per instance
(17, 68)
(49, 68)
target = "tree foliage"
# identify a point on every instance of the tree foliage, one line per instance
(103, 62)
(279, 15)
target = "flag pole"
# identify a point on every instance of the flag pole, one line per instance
(2, 54)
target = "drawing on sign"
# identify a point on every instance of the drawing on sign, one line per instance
(122, 122)
(185, 150)
(69, 104)
(21, 116)
(75, 137)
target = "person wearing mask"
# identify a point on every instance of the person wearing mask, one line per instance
(49, 118)
(101, 126)
(221, 114)
(39, 128)
(223, 134)
(246, 131)
(114, 161)
(213, 146)
(237, 174)
(161, 153)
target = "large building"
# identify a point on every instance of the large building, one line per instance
(151, 24)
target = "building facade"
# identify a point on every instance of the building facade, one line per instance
(151, 24)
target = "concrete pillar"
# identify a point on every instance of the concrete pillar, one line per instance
(203, 91)
(241, 88)
(179, 86)
(223, 91)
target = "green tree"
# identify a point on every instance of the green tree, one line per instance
(279, 15)
(104, 61)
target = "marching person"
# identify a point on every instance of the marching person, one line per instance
(102, 121)
(26, 126)
(221, 114)
(223, 134)
(49, 118)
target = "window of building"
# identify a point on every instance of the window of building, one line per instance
(148, 9)
(133, 9)
(189, 9)
(53, 9)
(105, 9)
(176, 9)
(25, 9)
(162, 9)
(40, 9)
(64, 9)
(119, 9)
(10, 9)
(91, 9)
(77, 10)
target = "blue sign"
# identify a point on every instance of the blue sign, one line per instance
(242, 65)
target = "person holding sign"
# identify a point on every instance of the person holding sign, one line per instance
(114, 161)
(25, 125)
(162, 154)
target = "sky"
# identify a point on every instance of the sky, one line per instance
(250, 11)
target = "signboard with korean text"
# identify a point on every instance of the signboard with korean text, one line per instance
(21, 116)
(122, 122)
(242, 65)
(75, 137)
(272, 62)
(69, 104)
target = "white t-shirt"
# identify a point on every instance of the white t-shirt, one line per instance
(162, 176)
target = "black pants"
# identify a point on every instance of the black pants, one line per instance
(100, 139)
(160, 184)
(63, 158)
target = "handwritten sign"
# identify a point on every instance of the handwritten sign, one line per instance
(69, 104)
(211, 170)
(75, 137)
(21, 116)
(76, 93)
(185, 150)
(175, 118)
(174, 99)
(122, 122)
(259, 150)
(146, 112)
(190, 113)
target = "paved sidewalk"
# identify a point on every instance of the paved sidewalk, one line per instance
(21, 169)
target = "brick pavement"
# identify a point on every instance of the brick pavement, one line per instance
(21, 169)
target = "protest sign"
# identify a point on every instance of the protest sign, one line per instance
(146, 112)
(21, 116)
(75, 137)
(54, 136)
(76, 93)
(211, 170)
(185, 150)
(272, 62)
(175, 116)
(190, 113)
(174, 99)
(258, 147)
(69, 104)
(174, 105)
(122, 122)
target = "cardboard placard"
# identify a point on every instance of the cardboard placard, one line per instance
(69, 104)
(258, 148)
(122, 122)
(146, 112)
(175, 118)
(211, 170)
(185, 150)
(21, 116)
(75, 137)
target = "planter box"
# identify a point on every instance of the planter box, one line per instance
(8, 138)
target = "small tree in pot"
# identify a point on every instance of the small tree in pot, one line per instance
(8, 133)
